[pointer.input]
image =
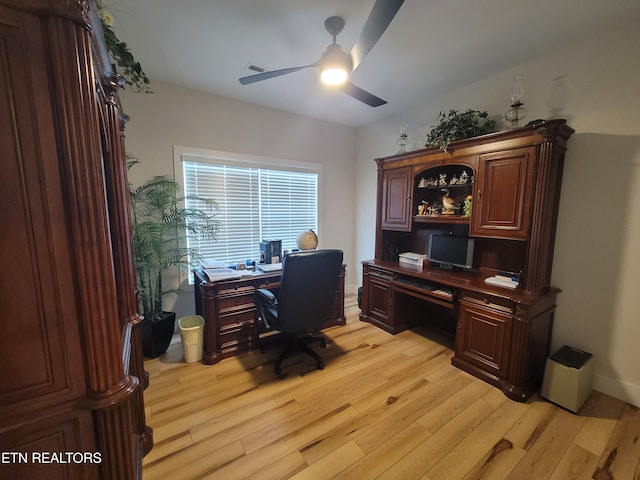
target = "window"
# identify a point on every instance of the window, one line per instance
(256, 201)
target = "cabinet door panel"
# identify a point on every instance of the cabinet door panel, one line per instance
(396, 200)
(379, 300)
(65, 435)
(503, 197)
(40, 342)
(483, 339)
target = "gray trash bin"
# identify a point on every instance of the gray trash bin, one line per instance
(192, 334)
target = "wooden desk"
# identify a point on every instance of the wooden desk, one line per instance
(501, 336)
(229, 312)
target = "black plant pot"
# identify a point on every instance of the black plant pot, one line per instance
(156, 334)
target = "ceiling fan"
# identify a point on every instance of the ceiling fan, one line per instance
(336, 65)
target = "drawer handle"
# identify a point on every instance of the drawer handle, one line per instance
(486, 300)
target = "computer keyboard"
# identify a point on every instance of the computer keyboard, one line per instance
(427, 287)
(416, 283)
(445, 292)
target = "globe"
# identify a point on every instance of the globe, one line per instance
(307, 240)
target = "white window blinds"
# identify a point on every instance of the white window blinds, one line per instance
(254, 204)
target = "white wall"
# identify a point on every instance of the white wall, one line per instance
(594, 85)
(178, 116)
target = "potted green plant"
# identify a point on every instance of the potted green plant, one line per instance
(455, 125)
(161, 224)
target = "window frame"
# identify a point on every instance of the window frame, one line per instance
(181, 154)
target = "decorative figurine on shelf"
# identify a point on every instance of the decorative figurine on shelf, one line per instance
(442, 180)
(422, 183)
(449, 206)
(421, 209)
(454, 180)
(464, 178)
(432, 182)
(466, 208)
(432, 211)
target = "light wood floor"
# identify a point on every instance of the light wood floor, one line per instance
(384, 407)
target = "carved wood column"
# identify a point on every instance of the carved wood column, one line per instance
(519, 355)
(542, 212)
(546, 200)
(380, 176)
(109, 390)
(122, 245)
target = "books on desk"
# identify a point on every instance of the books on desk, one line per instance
(270, 267)
(215, 270)
(502, 281)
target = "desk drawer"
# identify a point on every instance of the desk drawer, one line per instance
(230, 303)
(240, 327)
(233, 288)
(488, 301)
(381, 274)
(269, 283)
(237, 318)
(238, 334)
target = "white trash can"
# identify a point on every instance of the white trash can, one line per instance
(192, 334)
(568, 376)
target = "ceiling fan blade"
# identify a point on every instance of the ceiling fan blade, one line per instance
(270, 74)
(379, 19)
(362, 95)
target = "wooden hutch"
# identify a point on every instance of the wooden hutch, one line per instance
(71, 396)
(512, 179)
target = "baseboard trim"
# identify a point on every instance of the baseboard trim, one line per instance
(624, 391)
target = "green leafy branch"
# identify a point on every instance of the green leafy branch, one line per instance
(455, 125)
(130, 69)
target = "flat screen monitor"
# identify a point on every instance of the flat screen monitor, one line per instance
(451, 251)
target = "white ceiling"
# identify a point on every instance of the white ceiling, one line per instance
(430, 46)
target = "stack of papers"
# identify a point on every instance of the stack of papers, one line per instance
(215, 270)
(411, 258)
(270, 267)
(217, 274)
(502, 281)
(211, 263)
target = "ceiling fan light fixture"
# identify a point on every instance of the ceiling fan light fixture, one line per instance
(335, 65)
(334, 76)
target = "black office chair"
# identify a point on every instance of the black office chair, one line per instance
(305, 301)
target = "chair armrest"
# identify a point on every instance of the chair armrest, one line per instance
(266, 297)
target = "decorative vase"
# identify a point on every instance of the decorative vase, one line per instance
(517, 112)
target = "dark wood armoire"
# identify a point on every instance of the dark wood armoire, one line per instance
(72, 374)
